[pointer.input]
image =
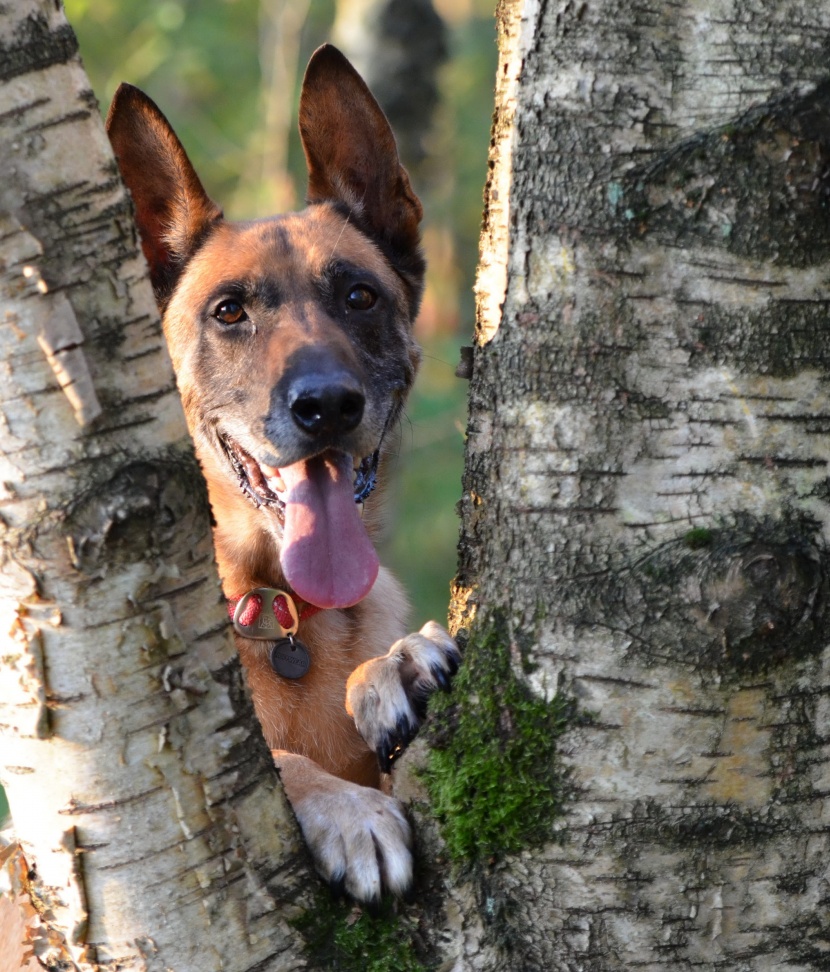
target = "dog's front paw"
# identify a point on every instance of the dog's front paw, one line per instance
(387, 696)
(359, 838)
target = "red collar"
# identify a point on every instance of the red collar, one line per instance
(254, 622)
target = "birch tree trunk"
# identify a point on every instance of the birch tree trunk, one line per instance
(634, 771)
(152, 831)
(398, 46)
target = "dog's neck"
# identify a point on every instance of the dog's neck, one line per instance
(248, 539)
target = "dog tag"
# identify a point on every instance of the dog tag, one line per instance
(290, 658)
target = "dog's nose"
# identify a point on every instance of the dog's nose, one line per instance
(326, 405)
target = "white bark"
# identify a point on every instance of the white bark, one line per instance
(141, 790)
(646, 488)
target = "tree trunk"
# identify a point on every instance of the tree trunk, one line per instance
(280, 28)
(154, 831)
(633, 772)
(398, 46)
(632, 769)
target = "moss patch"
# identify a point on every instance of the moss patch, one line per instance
(341, 937)
(494, 777)
(698, 537)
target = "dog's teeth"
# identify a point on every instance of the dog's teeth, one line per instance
(360, 509)
(276, 484)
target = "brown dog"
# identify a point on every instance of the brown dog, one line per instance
(292, 342)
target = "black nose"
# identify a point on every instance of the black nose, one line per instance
(326, 404)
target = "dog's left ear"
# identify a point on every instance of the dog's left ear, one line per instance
(351, 153)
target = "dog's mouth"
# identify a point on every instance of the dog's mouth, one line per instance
(326, 554)
(264, 486)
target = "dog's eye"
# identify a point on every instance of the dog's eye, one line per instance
(230, 312)
(361, 298)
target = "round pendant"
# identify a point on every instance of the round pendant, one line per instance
(290, 658)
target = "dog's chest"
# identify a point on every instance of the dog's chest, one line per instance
(307, 715)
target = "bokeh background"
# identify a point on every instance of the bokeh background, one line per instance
(227, 73)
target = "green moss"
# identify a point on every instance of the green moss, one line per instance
(343, 938)
(493, 774)
(697, 538)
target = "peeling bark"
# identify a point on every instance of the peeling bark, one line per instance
(147, 811)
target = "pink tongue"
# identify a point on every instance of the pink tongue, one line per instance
(327, 557)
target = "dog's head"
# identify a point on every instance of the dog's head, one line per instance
(291, 336)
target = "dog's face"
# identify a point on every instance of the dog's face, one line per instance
(291, 336)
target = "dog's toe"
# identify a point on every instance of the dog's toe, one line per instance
(388, 696)
(359, 838)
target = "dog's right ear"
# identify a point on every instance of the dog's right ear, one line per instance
(173, 211)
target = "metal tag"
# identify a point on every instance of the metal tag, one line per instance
(290, 658)
(262, 624)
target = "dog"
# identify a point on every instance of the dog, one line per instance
(291, 339)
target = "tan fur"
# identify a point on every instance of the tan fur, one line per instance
(363, 697)
(308, 716)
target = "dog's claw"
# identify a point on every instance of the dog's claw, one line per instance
(454, 660)
(373, 906)
(405, 730)
(388, 696)
(394, 744)
(359, 837)
(337, 884)
(386, 756)
(420, 701)
(442, 678)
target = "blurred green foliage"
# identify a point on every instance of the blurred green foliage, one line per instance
(203, 62)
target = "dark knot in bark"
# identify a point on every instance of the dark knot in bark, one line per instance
(736, 597)
(126, 513)
(759, 600)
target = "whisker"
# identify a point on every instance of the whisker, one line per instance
(342, 231)
(438, 359)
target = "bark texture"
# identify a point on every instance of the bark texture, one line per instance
(154, 830)
(645, 512)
